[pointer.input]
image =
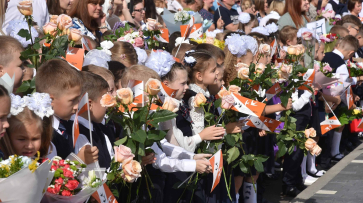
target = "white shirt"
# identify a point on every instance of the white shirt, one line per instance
(40, 13)
(174, 5)
(271, 15)
(298, 103)
(361, 12)
(173, 158)
(56, 124)
(328, 7)
(343, 71)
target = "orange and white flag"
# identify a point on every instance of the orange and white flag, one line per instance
(83, 106)
(75, 57)
(309, 77)
(274, 47)
(275, 89)
(166, 92)
(347, 97)
(104, 195)
(164, 36)
(247, 106)
(217, 165)
(263, 123)
(329, 124)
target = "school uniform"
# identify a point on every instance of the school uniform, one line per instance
(338, 7)
(62, 138)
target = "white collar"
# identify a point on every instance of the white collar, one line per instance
(83, 121)
(198, 89)
(336, 1)
(336, 51)
(56, 122)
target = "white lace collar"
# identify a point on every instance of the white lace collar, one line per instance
(198, 89)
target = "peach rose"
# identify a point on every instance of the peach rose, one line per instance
(307, 36)
(122, 153)
(291, 50)
(125, 95)
(265, 49)
(310, 133)
(223, 93)
(234, 89)
(151, 24)
(25, 7)
(153, 86)
(316, 150)
(286, 68)
(75, 35)
(50, 28)
(243, 73)
(108, 100)
(139, 42)
(241, 65)
(310, 144)
(170, 104)
(260, 68)
(199, 100)
(300, 49)
(64, 22)
(227, 102)
(53, 19)
(131, 170)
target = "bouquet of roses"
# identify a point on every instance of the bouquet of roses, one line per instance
(355, 69)
(151, 29)
(73, 180)
(182, 16)
(328, 15)
(125, 33)
(295, 52)
(323, 68)
(23, 179)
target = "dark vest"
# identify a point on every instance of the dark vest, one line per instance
(305, 110)
(64, 146)
(338, 8)
(334, 60)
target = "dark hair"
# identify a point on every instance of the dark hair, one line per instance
(202, 63)
(172, 39)
(216, 52)
(260, 5)
(351, 4)
(3, 91)
(270, 21)
(117, 70)
(93, 84)
(54, 7)
(150, 11)
(293, 7)
(80, 10)
(171, 75)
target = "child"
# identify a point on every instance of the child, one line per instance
(247, 21)
(117, 70)
(105, 74)
(124, 53)
(288, 36)
(352, 23)
(339, 30)
(63, 83)
(213, 50)
(4, 112)
(10, 62)
(359, 36)
(96, 87)
(30, 127)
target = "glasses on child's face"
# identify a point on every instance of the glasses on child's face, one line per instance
(140, 10)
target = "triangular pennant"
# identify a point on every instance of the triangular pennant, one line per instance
(8, 82)
(274, 47)
(329, 124)
(164, 36)
(75, 57)
(82, 107)
(263, 123)
(197, 31)
(104, 195)
(347, 97)
(275, 89)
(248, 106)
(309, 77)
(217, 165)
(166, 92)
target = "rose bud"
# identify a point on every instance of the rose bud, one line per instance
(50, 28)
(227, 102)
(199, 100)
(122, 153)
(53, 19)
(153, 86)
(310, 133)
(310, 144)
(108, 100)
(291, 50)
(234, 89)
(64, 22)
(243, 73)
(223, 93)
(260, 68)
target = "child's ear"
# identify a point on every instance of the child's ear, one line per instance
(288, 42)
(199, 76)
(351, 53)
(2, 71)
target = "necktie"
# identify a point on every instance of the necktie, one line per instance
(62, 128)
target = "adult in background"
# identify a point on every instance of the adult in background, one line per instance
(277, 8)
(260, 6)
(138, 13)
(40, 13)
(354, 7)
(228, 14)
(151, 12)
(121, 13)
(295, 14)
(57, 7)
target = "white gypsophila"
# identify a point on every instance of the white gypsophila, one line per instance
(26, 161)
(15, 26)
(17, 104)
(141, 55)
(244, 18)
(189, 59)
(272, 28)
(40, 104)
(135, 34)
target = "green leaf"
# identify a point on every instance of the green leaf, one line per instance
(230, 140)
(282, 149)
(161, 116)
(258, 166)
(24, 87)
(141, 150)
(292, 119)
(130, 144)
(262, 158)
(156, 135)
(140, 116)
(284, 99)
(232, 154)
(218, 103)
(291, 149)
(208, 116)
(121, 141)
(243, 167)
(25, 34)
(110, 176)
(139, 136)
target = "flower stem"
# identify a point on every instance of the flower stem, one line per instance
(225, 180)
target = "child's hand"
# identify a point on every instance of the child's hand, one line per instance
(289, 105)
(148, 159)
(88, 154)
(235, 127)
(262, 133)
(220, 23)
(203, 166)
(356, 98)
(212, 133)
(201, 156)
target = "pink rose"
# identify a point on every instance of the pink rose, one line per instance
(310, 144)
(66, 193)
(316, 150)
(59, 181)
(67, 173)
(72, 184)
(139, 42)
(50, 28)
(316, 67)
(122, 153)
(75, 35)
(64, 22)
(329, 14)
(307, 36)
(25, 7)
(227, 102)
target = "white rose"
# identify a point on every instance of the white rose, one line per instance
(135, 34)
(128, 37)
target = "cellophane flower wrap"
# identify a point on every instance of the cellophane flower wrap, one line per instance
(73, 180)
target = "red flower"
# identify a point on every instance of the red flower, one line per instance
(54, 168)
(72, 184)
(59, 181)
(66, 166)
(61, 163)
(44, 160)
(54, 190)
(66, 193)
(67, 173)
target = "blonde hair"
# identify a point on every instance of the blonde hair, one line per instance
(138, 72)
(230, 72)
(246, 6)
(278, 6)
(8, 46)
(103, 72)
(28, 117)
(2, 15)
(124, 53)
